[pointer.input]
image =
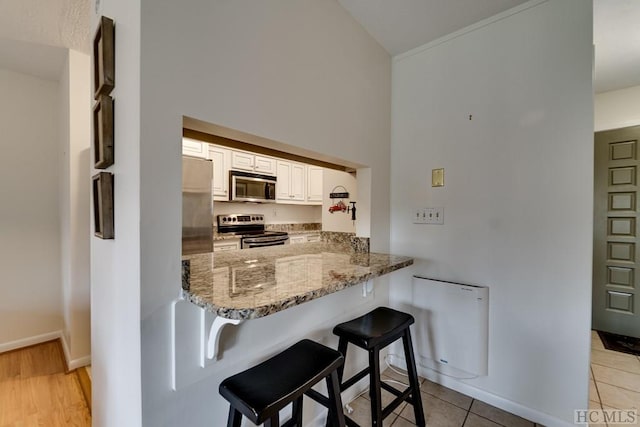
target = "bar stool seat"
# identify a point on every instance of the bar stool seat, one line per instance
(372, 332)
(260, 392)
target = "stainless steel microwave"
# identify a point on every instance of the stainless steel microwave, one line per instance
(251, 187)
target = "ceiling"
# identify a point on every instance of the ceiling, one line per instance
(35, 33)
(401, 25)
(616, 37)
(35, 59)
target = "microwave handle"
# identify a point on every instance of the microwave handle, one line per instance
(267, 191)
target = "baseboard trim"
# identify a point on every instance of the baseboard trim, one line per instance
(72, 363)
(484, 396)
(29, 341)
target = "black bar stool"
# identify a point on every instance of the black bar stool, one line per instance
(373, 332)
(260, 392)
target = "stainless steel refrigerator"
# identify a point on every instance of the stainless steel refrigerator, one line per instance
(197, 206)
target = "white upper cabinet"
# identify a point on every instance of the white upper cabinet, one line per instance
(241, 160)
(291, 182)
(221, 158)
(314, 185)
(266, 165)
(191, 147)
(297, 183)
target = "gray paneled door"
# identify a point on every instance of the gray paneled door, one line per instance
(616, 269)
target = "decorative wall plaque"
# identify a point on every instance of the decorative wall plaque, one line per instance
(104, 67)
(103, 205)
(103, 132)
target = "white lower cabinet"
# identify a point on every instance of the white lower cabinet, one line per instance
(304, 238)
(226, 245)
(297, 239)
(313, 238)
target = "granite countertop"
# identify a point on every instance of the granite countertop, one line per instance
(253, 283)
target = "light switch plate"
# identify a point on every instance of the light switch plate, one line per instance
(428, 216)
(437, 177)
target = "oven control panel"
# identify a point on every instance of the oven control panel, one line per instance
(235, 220)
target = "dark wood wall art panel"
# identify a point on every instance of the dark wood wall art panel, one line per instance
(103, 205)
(103, 132)
(104, 58)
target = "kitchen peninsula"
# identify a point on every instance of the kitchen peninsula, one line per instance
(253, 283)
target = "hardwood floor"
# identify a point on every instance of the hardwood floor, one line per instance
(36, 391)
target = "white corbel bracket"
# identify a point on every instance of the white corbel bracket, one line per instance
(214, 335)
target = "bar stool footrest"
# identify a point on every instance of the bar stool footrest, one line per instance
(354, 379)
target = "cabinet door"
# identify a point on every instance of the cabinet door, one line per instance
(314, 185)
(221, 158)
(265, 165)
(283, 184)
(233, 245)
(297, 239)
(241, 160)
(313, 238)
(191, 147)
(298, 181)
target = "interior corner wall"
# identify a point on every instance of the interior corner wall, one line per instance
(115, 264)
(75, 96)
(617, 108)
(31, 296)
(303, 73)
(506, 109)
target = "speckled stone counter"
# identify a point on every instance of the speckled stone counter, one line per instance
(252, 283)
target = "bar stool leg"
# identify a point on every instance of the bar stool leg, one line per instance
(336, 415)
(342, 349)
(297, 411)
(235, 417)
(273, 421)
(413, 378)
(375, 391)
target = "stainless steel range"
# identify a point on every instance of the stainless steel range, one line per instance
(250, 227)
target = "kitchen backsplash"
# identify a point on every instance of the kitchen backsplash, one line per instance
(308, 226)
(273, 213)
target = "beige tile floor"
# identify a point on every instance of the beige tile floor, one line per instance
(614, 378)
(443, 407)
(614, 384)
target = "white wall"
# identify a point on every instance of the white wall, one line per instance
(339, 221)
(115, 264)
(517, 197)
(274, 213)
(617, 109)
(75, 108)
(271, 68)
(30, 298)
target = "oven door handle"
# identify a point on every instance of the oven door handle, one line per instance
(263, 244)
(265, 239)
